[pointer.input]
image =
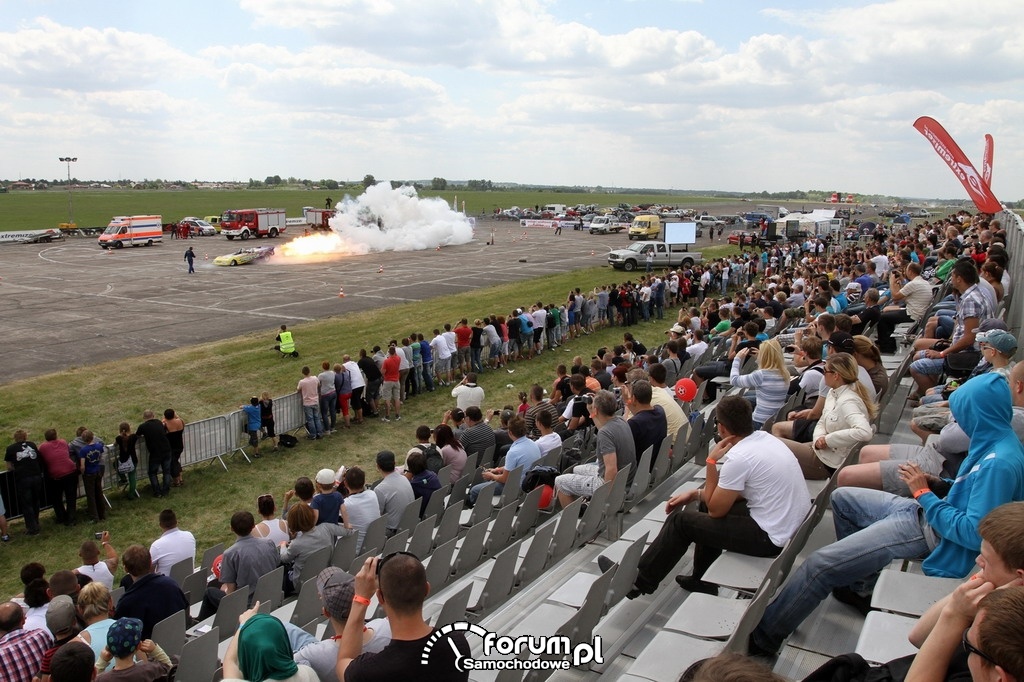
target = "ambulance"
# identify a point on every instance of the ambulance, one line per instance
(132, 230)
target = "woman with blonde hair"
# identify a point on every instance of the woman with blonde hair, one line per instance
(770, 380)
(867, 355)
(95, 607)
(845, 420)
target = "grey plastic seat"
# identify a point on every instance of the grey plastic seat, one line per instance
(642, 480)
(472, 549)
(230, 608)
(269, 590)
(593, 519)
(376, 534)
(170, 633)
(486, 458)
(444, 475)
(410, 515)
(885, 636)
(181, 570)
(422, 538)
(435, 505)
(454, 608)
(626, 572)
(500, 581)
(439, 565)
(529, 512)
(512, 491)
(396, 543)
(308, 605)
(662, 461)
(909, 594)
(565, 532)
(199, 657)
(210, 555)
(551, 458)
(360, 560)
(459, 489)
(501, 530)
(482, 509)
(344, 551)
(194, 587)
(315, 562)
(448, 528)
(536, 554)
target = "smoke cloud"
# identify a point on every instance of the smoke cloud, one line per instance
(384, 219)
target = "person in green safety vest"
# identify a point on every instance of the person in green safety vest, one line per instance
(286, 344)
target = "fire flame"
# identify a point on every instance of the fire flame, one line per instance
(320, 246)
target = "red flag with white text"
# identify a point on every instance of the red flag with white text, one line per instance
(948, 150)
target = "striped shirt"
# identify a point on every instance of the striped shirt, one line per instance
(772, 390)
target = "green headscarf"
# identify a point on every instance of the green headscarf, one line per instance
(264, 651)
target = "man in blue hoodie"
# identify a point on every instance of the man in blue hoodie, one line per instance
(939, 525)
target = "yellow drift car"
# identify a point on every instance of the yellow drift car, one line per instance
(244, 256)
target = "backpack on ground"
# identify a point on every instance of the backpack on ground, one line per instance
(287, 440)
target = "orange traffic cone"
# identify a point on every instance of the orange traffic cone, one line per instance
(380, 270)
(341, 292)
(206, 256)
(592, 253)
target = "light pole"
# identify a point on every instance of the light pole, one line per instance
(69, 160)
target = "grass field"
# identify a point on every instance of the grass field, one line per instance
(36, 210)
(214, 378)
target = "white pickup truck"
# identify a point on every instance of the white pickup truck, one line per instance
(604, 224)
(665, 256)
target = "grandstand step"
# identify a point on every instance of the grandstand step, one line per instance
(653, 663)
(574, 591)
(707, 616)
(884, 637)
(652, 528)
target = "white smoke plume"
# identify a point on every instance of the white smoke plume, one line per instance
(384, 219)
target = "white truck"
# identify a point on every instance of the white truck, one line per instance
(253, 222)
(605, 224)
(665, 256)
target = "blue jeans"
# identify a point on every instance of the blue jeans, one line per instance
(328, 411)
(475, 359)
(474, 492)
(873, 528)
(314, 425)
(427, 369)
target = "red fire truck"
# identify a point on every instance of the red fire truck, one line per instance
(253, 222)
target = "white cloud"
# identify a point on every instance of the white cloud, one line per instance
(508, 90)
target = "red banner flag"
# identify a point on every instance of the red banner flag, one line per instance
(986, 161)
(958, 162)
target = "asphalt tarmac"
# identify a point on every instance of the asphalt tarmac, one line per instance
(71, 304)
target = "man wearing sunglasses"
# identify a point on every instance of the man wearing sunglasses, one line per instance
(400, 583)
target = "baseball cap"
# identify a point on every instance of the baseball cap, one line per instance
(853, 286)
(676, 329)
(124, 636)
(60, 614)
(1002, 341)
(325, 477)
(336, 589)
(992, 323)
(841, 342)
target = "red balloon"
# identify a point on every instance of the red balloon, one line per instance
(686, 389)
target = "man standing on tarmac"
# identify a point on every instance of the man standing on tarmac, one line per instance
(190, 257)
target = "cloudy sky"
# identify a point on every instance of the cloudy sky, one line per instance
(712, 94)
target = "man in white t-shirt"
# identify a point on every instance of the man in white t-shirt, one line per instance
(442, 358)
(753, 501)
(173, 546)
(912, 299)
